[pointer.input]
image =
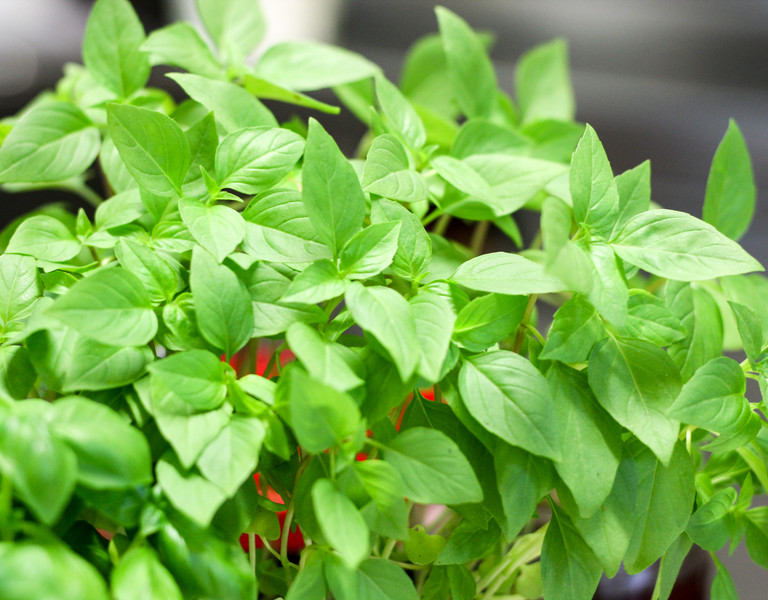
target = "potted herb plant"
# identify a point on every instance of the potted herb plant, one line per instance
(244, 299)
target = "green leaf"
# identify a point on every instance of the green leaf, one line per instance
(664, 504)
(650, 319)
(193, 495)
(708, 527)
(331, 190)
(115, 171)
(608, 290)
(219, 229)
(422, 548)
(110, 306)
(306, 66)
(713, 398)
(51, 142)
(42, 469)
(634, 186)
(274, 245)
(152, 146)
(231, 457)
(374, 579)
(434, 320)
(203, 142)
(381, 481)
(326, 362)
(467, 180)
(414, 248)
(17, 375)
(591, 440)
(432, 467)
(195, 376)
(730, 198)
(341, 523)
(398, 113)
(569, 568)
(505, 273)
(636, 382)
(236, 26)
(469, 541)
(593, 188)
(369, 251)
(543, 84)
(669, 567)
(387, 172)
(19, 287)
(254, 159)
(487, 320)
(155, 273)
(140, 574)
(757, 535)
(750, 328)
(180, 45)
(723, 587)
(319, 282)
(310, 582)
(510, 398)
(120, 209)
(222, 303)
(112, 47)
(233, 107)
(481, 136)
(44, 238)
(469, 65)
(320, 415)
(678, 246)
(261, 88)
(576, 328)
(110, 453)
(388, 317)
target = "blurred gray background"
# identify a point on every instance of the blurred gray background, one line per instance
(657, 79)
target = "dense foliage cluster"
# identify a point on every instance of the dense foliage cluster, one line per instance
(414, 421)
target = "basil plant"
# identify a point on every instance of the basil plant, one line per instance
(253, 341)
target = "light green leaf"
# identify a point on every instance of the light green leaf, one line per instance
(708, 527)
(543, 84)
(432, 467)
(381, 481)
(414, 248)
(155, 273)
(19, 287)
(180, 45)
(488, 319)
(608, 291)
(481, 136)
(398, 113)
(469, 541)
(319, 282)
(195, 376)
(140, 575)
(750, 328)
(387, 172)
(510, 398)
(274, 245)
(505, 273)
(669, 567)
(217, 228)
(152, 146)
(374, 579)
(112, 47)
(576, 328)
(325, 361)
(434, 319)
(636, 382)
(650, 319)
(44, 238)
(757, 535)
(678, 246)
(118, 176)
(467, 180)
(261, 88)
(193, 495)
(341, 523)
(723, 587)
(51, 142)
(634, 186)
(236, 26)
(203, 141)
(730, 198)
(369, 251)
(120, 209)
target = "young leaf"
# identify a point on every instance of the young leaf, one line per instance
(369, 251)
(152, 146)
(414, 248)
(669, 567)
(576, 328)
(44, 238)
(434, 319)
(399, 113)
(708, 526)
(341, 523)
(180, 45)
(730, 198)
(433, 468)
(650, 319)
(112, 47)
(723, 587)
(469, 66)
(374, 579)
(51, 142)
(236, 26)
(193, 495)
(505, 273)
(510, 398)
(750, 328)
(196, 377)
(543, 83)
(155, 273)
(608, 291)
(261, 88)
(469, 541)
(110, 306)
(487, 320)
(387, 172)
(217, 228)
(634, 186)
(140, 574)
(678, 246)
(19, 286)
(319, 282)
(636, 382)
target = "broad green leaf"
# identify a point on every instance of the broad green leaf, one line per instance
(425, 80)
(569, 568)
(664, 504)
(487, 320)
(236, 26)
(398, 113)
(341, 523)
(254, 159)
(193, 495)
(110, 453)
(110, 306)
(331, 190)
(17, 375)
(708, 527)
(325, 361)
(320, 415)
(203, 142)
(422, 548)
(678, 246)
(274, 245)
(713, 398)
(637, 382)
(750, 328)
(261, 88)
(543, 83)
(481, 136)
(310, 582)
(180, 45)
(387, 172)
(369, 251)
(650, 319)
(723, 587)
(281, 209)
(140, 574)
(19, 287)
(155, 273)
(231, 457)
(669, 567)
(510, 398)
(120, 209)
(374, 579)
(608, 291)
(381, 481)
(751, 291)
(467, 180)
(469, 541)
(196, 377)
(730, 198)
(414, 248)
(42, 469)
(576, 328)
(233, 107)
(432, 467)
(591, 440)
(306, 66)
(593, 188)
(222, 303)
(112, 47)
(274, 318)
(634, 186)
(505, 273)
(387, 316)
(757, 535)
(217, 228)
(319, 282)
(51, 142)
(554, 140)
(48, 571)
(152, 146)
(434, 319)
(117, 174)
(469, 66)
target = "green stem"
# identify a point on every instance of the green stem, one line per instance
(388, 548)
(517, 345)
(87, 194)
(252, 552)
(478, 237)
(6, 508)
(438, 212)
(442, 224)
(284, 543)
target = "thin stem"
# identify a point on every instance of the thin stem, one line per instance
(438, 212)
(87, 194)
(252, 552)
(6, 508)
(517, 345)
(388, 548)
(442, 224)
(284, 543)
(410, 566)
(479, 234)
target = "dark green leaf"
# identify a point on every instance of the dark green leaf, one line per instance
(669, 567)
